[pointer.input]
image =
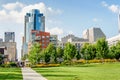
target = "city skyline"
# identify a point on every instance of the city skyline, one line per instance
(62, 17)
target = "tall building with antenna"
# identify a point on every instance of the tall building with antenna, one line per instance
(113, 40)
(119, 20)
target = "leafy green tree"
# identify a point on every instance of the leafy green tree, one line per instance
(34, 53)
(59, 52)
(85, 51)
(47, 56)
(51, 52)
(78, 56)
(117, 51)
(41, 57)
(1, 58)
(102, 48)
(69, 51)
(112, 52)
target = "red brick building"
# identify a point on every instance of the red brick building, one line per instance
(42, 37)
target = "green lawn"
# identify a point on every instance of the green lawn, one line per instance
(10, 74)
(106, 71)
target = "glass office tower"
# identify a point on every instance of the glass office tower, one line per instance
(34, 20)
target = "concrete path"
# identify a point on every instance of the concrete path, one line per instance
(29, 74)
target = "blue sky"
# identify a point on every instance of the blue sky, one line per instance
(62, 16)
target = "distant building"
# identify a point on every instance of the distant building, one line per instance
(113, 40)
(34, 20)
(9, 36)
(54, 39)
(78, 42)
(41, 37)
(8, 49)
(1, 40)
(93, 34)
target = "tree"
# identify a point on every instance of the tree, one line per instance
(78, 56)
(112, 52)
(117, 51)
(60, 52)
(47, 56)
(51, 52)
(34, 53)
(85, 51)
(102, 48)
(69, 51)
(41, 57)
(1, 58)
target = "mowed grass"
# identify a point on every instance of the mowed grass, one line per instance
(106, 71)
(10, 74)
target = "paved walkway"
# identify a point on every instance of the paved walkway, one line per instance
(29, 74)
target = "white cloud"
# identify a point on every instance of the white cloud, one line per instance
(16, 11)
(12, 6)
(3, 13)
(114, 8)
(55, 30)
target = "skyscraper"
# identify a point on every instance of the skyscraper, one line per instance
(34, 20)
(119, 21)
(9, 36)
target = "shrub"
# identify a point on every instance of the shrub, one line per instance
(96, 61)
(47, 65)
(13, 64)
(5, 65)
(10, 64)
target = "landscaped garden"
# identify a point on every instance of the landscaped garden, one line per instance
(93, 71)
(10, 74)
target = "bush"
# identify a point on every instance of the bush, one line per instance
(96, 61)
(5, 65)
(47, 65)
(10, 64)
(13, 64)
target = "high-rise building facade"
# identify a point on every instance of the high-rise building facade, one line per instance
(34, 20)
(119, 21)
(93, 34)
(9, 36)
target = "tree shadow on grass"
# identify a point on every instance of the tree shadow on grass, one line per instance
(85, 65)
(11, 77)
(55, 75)
(49, 71)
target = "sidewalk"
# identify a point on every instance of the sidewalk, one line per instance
(29, 74)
